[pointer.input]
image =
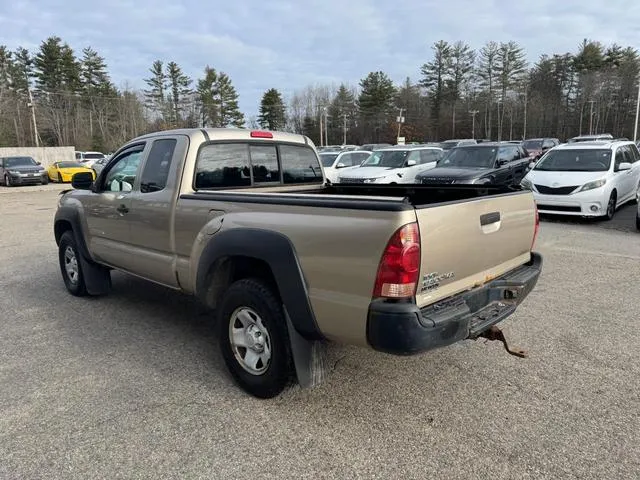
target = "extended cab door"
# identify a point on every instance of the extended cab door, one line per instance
(107, 209)
(519, 164)
(152, 210)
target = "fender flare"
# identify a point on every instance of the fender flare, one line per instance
(277, 251)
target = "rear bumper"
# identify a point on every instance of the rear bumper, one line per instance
(405, 329)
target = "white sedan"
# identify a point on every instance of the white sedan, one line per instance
(391, 165)
(590, 179)
(333, 162)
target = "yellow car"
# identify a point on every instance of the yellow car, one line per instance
(62, 172)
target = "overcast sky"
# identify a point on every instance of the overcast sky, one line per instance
(288, 44)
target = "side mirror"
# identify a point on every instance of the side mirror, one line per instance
(82, 181)
(624, 166)
(38, 163)
(502, 162)
(340, 165)
(545, 148)
(531, 165)
(411, 163)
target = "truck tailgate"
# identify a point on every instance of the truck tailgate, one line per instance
(466, 244)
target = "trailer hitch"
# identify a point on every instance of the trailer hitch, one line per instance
(494, 333)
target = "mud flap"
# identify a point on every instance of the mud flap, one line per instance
(97, 278)
(309, 357)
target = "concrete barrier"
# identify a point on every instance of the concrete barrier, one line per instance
(45, 155)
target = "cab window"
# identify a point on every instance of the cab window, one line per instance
(121, 176)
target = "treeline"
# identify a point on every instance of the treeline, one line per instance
(489, 93)
(55, 97)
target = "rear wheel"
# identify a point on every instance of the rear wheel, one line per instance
(7, 181)
(638, 221)
(254, 340)
(611, 206)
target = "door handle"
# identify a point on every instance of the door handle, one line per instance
(122, 209)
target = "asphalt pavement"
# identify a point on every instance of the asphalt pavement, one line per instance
(132, 385)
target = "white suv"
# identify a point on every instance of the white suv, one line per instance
(333, 162)
(400, 164)
(589, 179)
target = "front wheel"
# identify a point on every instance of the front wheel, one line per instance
(638, 221)
(70, 265)
(253, 337)
(611, 207)
(60, 180)
(7, 181)
(45, 180)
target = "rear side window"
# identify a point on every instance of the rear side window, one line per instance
(223, 165)
(428, 156)
(299, 165)
(156, 168)
(634, 153)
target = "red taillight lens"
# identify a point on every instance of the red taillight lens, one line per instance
(261, 134)
(537, 227)
(399, 267)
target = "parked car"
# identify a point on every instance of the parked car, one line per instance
(638, 215)
(590, 138)
(88, 158)
(399, 164)
(333, 163)
(449, 144)
(63, 172)
(537, 146)
(283, 264)
(21, 171)
(484, 164)
(99, 164)
(374, 146)
(590, 179)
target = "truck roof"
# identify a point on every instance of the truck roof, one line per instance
(233, 134)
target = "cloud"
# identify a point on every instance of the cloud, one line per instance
(288, 45)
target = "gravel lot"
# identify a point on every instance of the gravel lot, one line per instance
(132, 385)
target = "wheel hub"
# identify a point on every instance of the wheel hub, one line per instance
(250, 340)
(255, 339)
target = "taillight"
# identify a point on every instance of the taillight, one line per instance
(537, 227)
(399, 267)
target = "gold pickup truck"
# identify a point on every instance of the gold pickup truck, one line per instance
(245, 221)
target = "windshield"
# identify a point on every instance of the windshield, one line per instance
(532, 144)
(69, 165)
(89, 156)
(20, 162)
(327, 159)
(469, 157)
(583, 160)
(386, 158)
(449, 144)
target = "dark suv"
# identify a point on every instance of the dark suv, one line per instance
(22, 171)
(537, 146)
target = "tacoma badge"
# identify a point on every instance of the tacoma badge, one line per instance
(431, 281)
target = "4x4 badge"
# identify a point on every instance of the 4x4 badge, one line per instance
(431, 281)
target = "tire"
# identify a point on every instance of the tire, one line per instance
(637, 196)
(69, 259)
(7, 181)
(611, 206)
(251, 309)
(45, 180)
(60, 178)
(638, 221)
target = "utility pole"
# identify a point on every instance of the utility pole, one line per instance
(591, 117)
(473, 122)
(326, 120)
(524, 126)
(400, 120)
(321, 130)
(635, 128)
(344, 129)
(36, 137)
(499, 122)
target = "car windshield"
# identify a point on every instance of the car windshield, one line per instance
(69, 165)
(449, 144)
(578, 160)
(469, 157)
(20, 162)
(532, 144)
(90, 156)
(386, 158)
(327, 159)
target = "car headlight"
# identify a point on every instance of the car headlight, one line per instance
(370, 180)
(594, 184)
(14, 172)
(526, 183)
(477, 181)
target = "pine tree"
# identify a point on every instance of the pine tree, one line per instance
(375, 102)
(435, 75)
(95, 79)
(156, 94)
(230, 114)
(342, 112)
(487, 73)
(179, 88)
(462, 62)
(207, 93)
(272, 111)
